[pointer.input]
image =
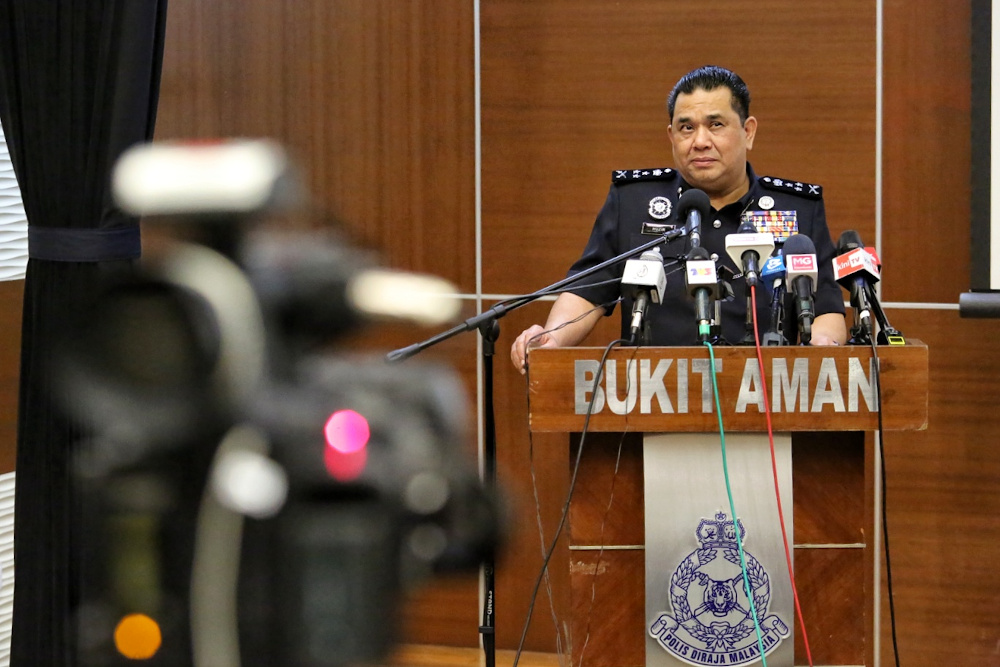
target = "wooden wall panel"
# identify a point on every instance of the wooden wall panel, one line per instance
(575, 89)
(374, 99)
(11, 298)
(927, 147)
(944, 499)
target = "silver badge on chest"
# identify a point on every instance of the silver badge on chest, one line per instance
(766, 203)
(659, 208)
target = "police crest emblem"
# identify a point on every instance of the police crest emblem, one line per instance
(659, 208)
(712, 621)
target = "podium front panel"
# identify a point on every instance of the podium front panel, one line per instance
(697, 609)
(669, 389)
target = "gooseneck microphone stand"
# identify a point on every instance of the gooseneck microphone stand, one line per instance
(489, 328)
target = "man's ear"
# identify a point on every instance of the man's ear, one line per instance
(750, 127)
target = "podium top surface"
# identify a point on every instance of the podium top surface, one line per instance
(669, 389)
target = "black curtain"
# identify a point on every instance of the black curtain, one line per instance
(79, 82)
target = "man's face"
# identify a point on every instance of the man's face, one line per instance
(709, 142)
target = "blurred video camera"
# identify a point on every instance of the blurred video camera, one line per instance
(245, 497)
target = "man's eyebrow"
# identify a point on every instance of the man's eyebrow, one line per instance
(711, 116)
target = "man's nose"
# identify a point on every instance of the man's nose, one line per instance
(702, 137)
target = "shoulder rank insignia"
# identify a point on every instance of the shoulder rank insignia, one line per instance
(795, 187)
(629, 175)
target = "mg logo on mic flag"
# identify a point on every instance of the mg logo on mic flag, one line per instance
(804, 263)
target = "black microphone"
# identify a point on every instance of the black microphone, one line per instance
(693, 207)
(644, 280)
(855, 270)
(703, 284)
(801, 274)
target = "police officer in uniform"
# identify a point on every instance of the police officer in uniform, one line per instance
(710, 133)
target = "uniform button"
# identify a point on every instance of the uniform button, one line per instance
(715, 257)
(717, 224)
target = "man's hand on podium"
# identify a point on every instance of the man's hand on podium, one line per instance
(829, 329)
(533, 336)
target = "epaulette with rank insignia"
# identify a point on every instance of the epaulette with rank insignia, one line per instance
(629, 175)
(798, 187)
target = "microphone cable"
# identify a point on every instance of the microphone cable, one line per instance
(877, 374)
(569, 495)
(774, 474)
(732, 510)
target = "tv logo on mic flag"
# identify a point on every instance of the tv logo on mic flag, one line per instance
(802, 263)
(849, 263)
(701, 272)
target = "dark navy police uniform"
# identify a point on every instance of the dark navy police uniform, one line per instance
(643, 203)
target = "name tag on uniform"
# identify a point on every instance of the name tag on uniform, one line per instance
(656, 228)
(780, 223)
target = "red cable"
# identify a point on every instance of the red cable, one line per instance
(774, 472)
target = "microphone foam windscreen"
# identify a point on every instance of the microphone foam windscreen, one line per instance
(848, 241)
(698, 254)
(799, 244)
(693, 199)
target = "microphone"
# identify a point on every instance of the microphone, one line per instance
(773, 277)
(693, 206)
(855, 270)
(746, 247)
(887, 334)
(860, 268)
(643, 280)
(703, 284)
(801, 273)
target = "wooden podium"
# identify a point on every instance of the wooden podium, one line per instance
(650, 581)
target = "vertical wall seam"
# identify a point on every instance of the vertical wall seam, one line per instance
(477, 96)
(480, 389)
(877, 476)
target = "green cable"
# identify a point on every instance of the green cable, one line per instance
(732, 511)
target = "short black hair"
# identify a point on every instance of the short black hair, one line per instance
(709, 78)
